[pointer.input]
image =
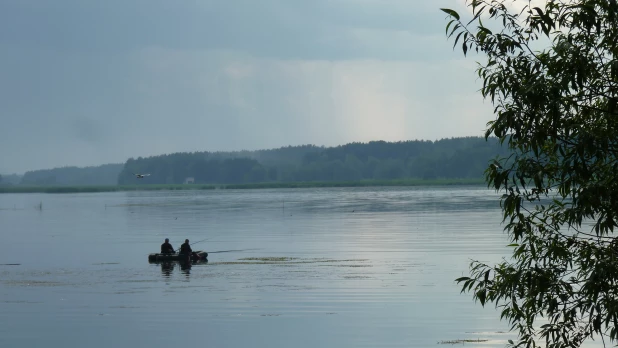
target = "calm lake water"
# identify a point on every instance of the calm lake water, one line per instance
(364, 267)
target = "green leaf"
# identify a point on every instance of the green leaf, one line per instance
(448, 26)
(539, 11)
(451, 13)
(457, 39)
(485, 30)
(482, 296)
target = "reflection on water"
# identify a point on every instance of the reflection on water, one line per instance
(288, 268)
(167, 268)
(185, 267)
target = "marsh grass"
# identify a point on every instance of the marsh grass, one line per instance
(102, 188)
(360, 183)
(267, 185)
(462, 341)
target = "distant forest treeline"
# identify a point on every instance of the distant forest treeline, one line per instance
(452, 158)
(106, 174)
(10, 179)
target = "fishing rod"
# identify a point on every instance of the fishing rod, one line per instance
(177, 251)
(229, 251)
(203, 240)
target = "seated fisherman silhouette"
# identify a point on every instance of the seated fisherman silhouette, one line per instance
(185, 249)
(167, 248)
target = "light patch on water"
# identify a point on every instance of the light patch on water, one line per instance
(462, 341)
(35, 283)
(106, 263)
(271, 259)
(21, 302)
(288, 261)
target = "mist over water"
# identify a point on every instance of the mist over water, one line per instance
(304, 268)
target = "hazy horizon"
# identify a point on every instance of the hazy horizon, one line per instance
(211, 151)
(89, 83)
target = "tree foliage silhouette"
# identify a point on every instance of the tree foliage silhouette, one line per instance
(556, 109)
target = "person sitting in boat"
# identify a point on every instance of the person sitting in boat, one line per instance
(167, 248)
(185, 248)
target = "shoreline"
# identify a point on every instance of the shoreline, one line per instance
(248, 186)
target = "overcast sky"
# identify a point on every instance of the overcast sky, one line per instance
(87, 82)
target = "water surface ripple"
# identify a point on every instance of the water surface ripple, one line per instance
(346, 267)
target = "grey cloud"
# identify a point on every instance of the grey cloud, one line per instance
(89, 130)
(317, 29)
(88, 82)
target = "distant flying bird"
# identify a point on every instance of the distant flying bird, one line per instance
(140, 176)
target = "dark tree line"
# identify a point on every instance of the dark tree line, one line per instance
(10, 179)
(106, 174)
(447, 158)
(177, 168)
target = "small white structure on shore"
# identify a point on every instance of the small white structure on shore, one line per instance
(190, 180)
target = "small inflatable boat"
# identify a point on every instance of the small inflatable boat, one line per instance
(196, 256)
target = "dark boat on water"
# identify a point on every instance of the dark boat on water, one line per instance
(195, 256)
